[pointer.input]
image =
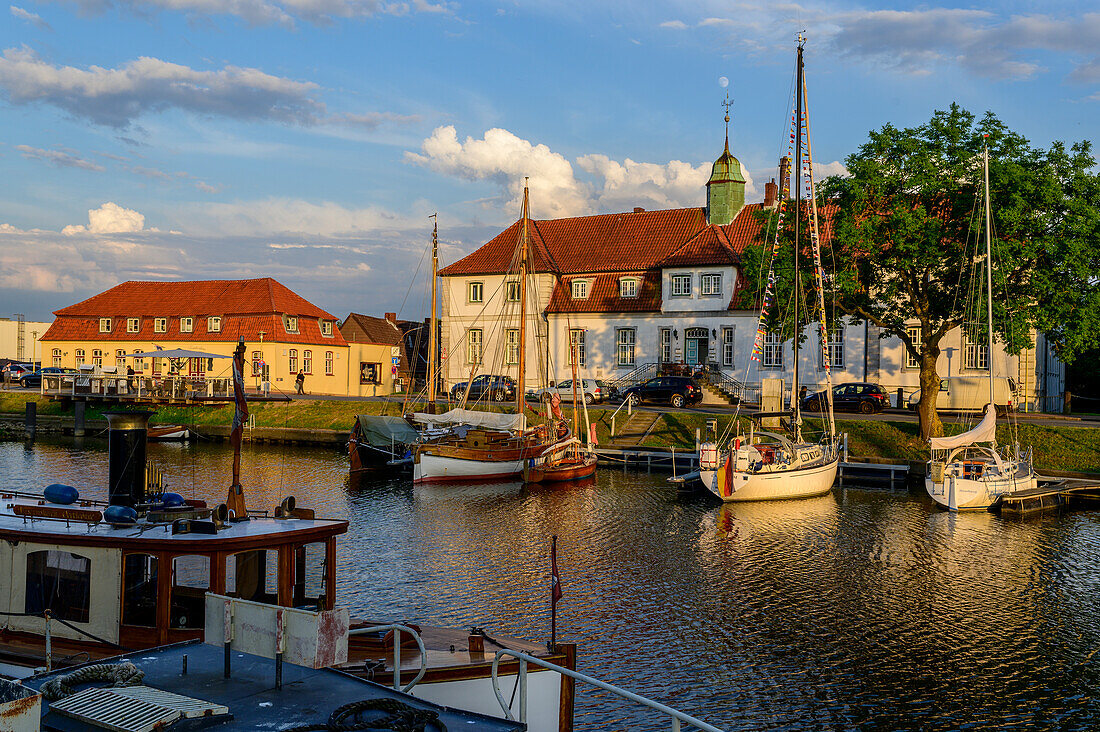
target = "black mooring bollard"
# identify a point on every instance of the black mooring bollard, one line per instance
(30, 422)
(78, 419)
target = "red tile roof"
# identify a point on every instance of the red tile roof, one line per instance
(358, 328)
(246, 308)
(603, 295)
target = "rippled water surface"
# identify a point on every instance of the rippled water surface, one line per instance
(862, 609)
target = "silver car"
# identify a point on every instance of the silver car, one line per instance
(594, 391)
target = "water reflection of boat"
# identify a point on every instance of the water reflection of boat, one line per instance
(168, 433)
(467, 491)
(775, 518)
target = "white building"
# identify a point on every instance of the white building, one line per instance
(635, 290)
(19, 339)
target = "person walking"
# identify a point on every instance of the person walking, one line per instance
(300, 381)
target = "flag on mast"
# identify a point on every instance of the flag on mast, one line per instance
(555, 580)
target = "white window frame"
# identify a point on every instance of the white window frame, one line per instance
(913, 331)
(160, 325)
(328, 363)
(834, 347)
(475, 292)
(57, 358)
(975, 353)
(511, 290)
(511, 346)
(78, 356)
(664, 338)
(772, 358)
(214, 324)
(578, 289)
(105, 325)
(292, 360)
(139, 361)
(628, 287)
(307, 361)
(474, 345)
(133, 325)
(187, 324)
(625, 346)
(727, 345)
(290, 323)
(97, 357)
(120, 357)
(326, 328)
(576, 339)
(680, 285)
(710, 284)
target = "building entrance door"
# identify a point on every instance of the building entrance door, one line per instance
(695, 346)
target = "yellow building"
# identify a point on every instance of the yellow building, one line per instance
(283, 332)
(377, 354)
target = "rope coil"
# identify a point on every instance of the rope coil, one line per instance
(120, 674)
(402, 718)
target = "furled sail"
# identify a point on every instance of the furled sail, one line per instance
(490, 420)
(984, 431)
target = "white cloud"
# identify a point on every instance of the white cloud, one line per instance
(32, 18)
(60, 158)
(291, 217)
(110, 218)
(674, 24)
(271, 12)
(374, 120)
(675, 184)
(116, 97)
(825, 170)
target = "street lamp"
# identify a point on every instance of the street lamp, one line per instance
(34, 348)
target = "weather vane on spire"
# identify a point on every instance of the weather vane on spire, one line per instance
(724, 83)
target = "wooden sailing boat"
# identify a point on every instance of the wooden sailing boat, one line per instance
(484, 446)
(969, 471)
(566, 461)
(766, 465)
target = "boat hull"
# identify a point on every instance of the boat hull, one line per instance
(814, 480)
(959, 493)
(430, 468)
(560, 472)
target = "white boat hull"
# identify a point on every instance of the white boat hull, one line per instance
(442, 469)
(958, 493)
(815, 480)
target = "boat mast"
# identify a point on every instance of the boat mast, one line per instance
(797, 222)
(988, 272)
(520, 396)
(431, 322)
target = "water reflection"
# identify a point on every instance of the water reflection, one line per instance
(860, 609)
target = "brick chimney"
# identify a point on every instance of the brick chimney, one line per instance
(638, 209)
(784, 176)
(771, 194)
(392, 317)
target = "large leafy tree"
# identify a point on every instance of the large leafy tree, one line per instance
(905, 230)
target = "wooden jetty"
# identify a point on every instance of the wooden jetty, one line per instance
(1067, 493)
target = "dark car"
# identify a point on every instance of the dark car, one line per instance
(13, 372)
(857, 397)
(674, 390)
(487, 386)
(34, 379)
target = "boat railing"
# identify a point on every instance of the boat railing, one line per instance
(137, 385)
(398, 629)
(629, 405)
(524, 659)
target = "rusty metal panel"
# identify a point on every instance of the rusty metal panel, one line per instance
(20, 708)
(310, 639)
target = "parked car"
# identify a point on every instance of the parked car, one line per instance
(970, 394)
(13, 372)
(855, 397)
(487, 386)
(592, 390)
(34, 379)
(674, 390)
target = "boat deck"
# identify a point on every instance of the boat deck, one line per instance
(307, 695)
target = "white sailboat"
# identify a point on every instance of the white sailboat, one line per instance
(969, 471)
(765, 465)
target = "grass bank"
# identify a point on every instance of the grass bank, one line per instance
(1064, 448)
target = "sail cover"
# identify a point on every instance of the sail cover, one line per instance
(384, 430)
(984, 431)
(473, 418)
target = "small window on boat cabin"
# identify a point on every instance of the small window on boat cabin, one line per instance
(214, 324)
(628, 287)
(578, 289)
(475, 291)
(290, 322)
(190, 583)
(187, 325)
(60, 582)
(160, 325)
(133, 325)
(253, 575)
(309, 576)
(104, 325)
(326, 328)
(139, 590)
(914, 334)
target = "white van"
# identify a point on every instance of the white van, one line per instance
(971, 394)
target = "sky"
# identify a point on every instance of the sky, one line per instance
(310, 140)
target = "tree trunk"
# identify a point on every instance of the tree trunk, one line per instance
(930, 425)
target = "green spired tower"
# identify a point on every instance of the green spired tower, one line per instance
(726, 187)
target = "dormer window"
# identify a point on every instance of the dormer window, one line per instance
(160, 325)
(628, 287)
(579, 289)
(104, 325)
(214, 324)
(291, 323)
(187, 325)
(711, 284)
(326, 328)
(133, 325)
(681, 285)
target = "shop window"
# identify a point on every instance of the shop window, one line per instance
(139, 590)
(369, 373)
(190, 583)
(60, 582)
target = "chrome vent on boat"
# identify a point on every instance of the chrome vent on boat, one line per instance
(134, 708)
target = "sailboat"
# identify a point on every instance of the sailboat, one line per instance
(969, 471)
(486, 446)
(766, 465)
(567, 460)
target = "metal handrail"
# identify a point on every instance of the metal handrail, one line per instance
(641, 373)
(398, 629)
(524, 658)
(629, 404)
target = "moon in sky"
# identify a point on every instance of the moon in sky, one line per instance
(723, 82)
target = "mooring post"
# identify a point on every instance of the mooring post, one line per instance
(78, 419)
(30, 422)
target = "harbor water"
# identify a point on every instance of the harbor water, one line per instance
(863, 609)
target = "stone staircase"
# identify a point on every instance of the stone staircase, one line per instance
(713, 396)
(637, 428)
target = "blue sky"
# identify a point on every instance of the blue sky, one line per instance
(309, 140)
